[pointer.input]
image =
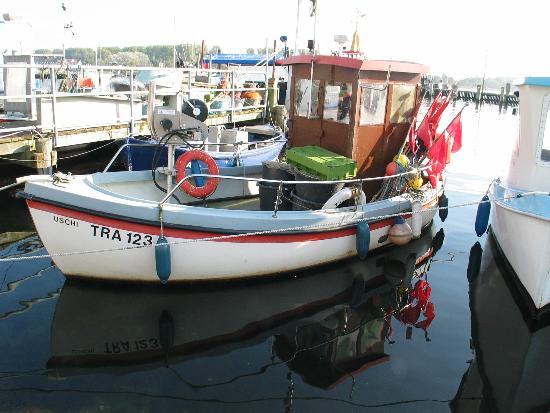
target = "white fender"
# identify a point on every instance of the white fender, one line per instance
(416, 219)
(342, 195)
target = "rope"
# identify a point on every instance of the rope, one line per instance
(87, 152)
(256, 233)
(60, 158)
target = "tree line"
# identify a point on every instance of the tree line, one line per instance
(157, 55)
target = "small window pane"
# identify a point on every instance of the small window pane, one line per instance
(337, 101)
(402, 104)
(305, 93)
(545, 153)
(373, 104)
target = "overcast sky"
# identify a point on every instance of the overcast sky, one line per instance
(460, 38)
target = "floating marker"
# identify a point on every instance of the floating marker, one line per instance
(162, 259)
(482, 216)
(443, 204)
(362, 239)
(400, 233)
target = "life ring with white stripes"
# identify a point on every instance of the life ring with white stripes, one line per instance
(190, 189)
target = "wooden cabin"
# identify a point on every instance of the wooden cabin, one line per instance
(361, 109)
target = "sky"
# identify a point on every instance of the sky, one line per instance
(461, 38)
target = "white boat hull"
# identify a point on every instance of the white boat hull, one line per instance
(524, 240)
(125, 251)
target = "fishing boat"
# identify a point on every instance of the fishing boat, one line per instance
(139, 152)
(521, 218)
(351, 184)
(154, 327)
(183, 120)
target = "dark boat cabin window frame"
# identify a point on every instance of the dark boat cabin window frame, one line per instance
(337, 101)
(402, 103)
(303, 89)
(543, 147)
(374, 97)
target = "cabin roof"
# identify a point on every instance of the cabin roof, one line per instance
(358, 64)
(533, 81)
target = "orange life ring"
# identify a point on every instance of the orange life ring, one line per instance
(187, 186)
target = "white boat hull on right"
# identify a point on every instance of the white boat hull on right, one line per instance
(524, 240)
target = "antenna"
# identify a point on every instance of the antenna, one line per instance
(341, 39)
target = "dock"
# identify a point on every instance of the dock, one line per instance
(51, 108)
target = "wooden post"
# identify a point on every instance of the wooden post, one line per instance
(45, 156)
(478, 96)
(507, 93)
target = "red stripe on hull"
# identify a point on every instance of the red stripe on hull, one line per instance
(190, 234)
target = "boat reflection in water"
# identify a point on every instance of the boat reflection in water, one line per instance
(511, 368)
(326, 323)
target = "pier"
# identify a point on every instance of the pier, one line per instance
(51, 108)
(503, 98)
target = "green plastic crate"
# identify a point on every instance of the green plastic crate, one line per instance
(320, 162)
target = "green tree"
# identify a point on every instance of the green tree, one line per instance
(131, 59)
(250, 50)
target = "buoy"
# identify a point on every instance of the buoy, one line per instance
(416, 182)
(402, 160)
(400, 233)
(162, 259)
(474, 261)
(443, 204)
(392, 168)
(482, 216)
(416, 219)
(362, 239)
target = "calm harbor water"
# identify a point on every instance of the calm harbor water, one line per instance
(346, 337)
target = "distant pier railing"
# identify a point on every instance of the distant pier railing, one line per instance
(478, 96)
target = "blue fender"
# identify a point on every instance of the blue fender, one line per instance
(362, 239)
(482, 216)
(163, 259)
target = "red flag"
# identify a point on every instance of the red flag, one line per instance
(455, 132)
(428, 128)
(437, 155)
(425, 130)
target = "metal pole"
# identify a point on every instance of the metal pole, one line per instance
(297, 26)
(233, 97)
(171, 152)
(53, 82)
(131, 102)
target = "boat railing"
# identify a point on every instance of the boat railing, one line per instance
(280, 183)
(31, 87)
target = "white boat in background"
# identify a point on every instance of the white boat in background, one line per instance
(521, 218)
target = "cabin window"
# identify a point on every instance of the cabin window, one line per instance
(402, 103)
(373, 104)
(545, 144)
(307, 92)
(338, 98)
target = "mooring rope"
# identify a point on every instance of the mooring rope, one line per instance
(327, 226)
